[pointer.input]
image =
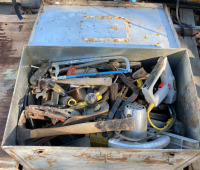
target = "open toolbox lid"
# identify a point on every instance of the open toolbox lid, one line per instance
(104, 24)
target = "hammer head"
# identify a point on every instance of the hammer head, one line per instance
(22, 133)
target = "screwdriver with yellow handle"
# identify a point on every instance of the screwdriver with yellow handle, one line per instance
(93, 98)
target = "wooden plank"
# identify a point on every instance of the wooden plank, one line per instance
(102, 3)
(187, 16)
(194, 1)
(13, 35)
(24, 3)
(173, 5)
(8, 1)
(14, 18)
(195, 29)
(30, 3)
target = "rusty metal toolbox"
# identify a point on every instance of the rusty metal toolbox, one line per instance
(55, 157)
(66, 30)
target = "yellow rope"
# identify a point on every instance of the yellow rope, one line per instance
(151, 106)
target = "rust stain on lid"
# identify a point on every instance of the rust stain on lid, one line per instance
(114, 27)
(106, 17)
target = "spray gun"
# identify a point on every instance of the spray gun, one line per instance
(166, 91)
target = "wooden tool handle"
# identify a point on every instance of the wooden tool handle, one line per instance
(86, 128)
(104, 81)
(104, 108)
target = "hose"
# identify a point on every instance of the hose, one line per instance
(159, 143)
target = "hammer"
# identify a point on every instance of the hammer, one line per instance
(83, 128)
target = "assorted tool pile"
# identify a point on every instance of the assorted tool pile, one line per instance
(108, 102)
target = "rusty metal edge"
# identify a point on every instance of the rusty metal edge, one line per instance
(167, 12)
(36, 22)
(101, 148)
(103, 3)
(193, 159)
(12, 153)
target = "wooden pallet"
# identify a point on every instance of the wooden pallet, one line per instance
(13, 35)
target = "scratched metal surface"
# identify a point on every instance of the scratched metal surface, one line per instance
(61, 158)
(43, 157)
(141, 26)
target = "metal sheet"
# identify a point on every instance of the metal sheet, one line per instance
(141, 26)
(100, 158)
(43, 157)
